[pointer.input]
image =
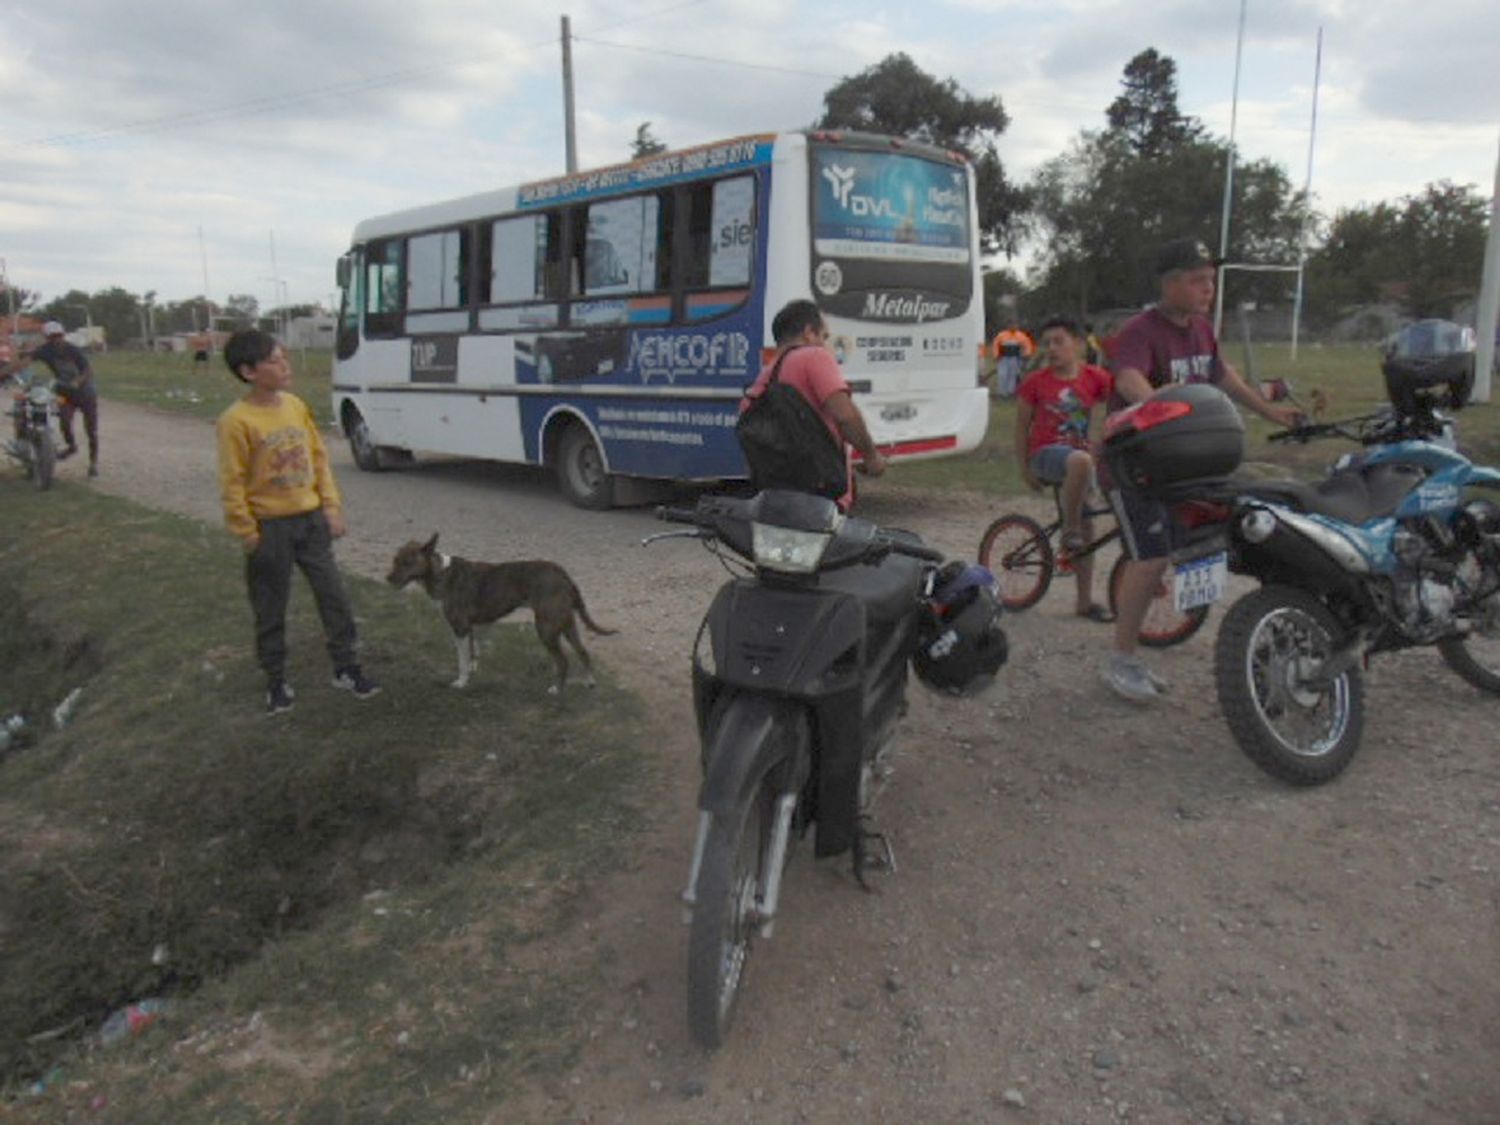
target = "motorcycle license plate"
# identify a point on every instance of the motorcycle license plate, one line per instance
(1201, 582)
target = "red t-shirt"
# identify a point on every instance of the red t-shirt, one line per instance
(815, 373)
(1060, 407)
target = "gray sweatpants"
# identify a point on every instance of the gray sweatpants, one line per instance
(305, 541)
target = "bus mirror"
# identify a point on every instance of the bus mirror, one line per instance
(342, 272)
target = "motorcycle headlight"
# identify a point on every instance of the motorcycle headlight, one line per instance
(39, 396)
(788, 550)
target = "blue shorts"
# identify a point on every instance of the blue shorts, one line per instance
(1049, 464)
(1146, 525)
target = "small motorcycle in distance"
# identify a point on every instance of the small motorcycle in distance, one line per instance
(799, 679)
(33, 410)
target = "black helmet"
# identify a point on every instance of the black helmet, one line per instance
(1429, 362)
(960, 644)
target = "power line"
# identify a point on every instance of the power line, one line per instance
(271, 102)
(716, 60)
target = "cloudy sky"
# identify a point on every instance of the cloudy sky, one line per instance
(130, 128)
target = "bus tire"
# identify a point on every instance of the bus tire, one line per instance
(370, 457)
(581, 474)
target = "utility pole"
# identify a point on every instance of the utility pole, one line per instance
(1489, 302)
(568, 128)
(1312, 137)
(208, 310)
(1234, 109)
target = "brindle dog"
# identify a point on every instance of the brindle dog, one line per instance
(476, 593)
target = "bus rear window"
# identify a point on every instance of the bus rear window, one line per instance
(889, 207)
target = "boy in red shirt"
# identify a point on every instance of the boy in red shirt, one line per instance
(1054, 406)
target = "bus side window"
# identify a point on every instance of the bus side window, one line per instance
(438, 270)
(385, 288)
(719, 241)
(620, 245)
(520, 271)
(351, 303)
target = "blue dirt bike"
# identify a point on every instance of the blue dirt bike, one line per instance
(1396, 548)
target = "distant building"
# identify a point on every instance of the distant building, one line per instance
(315, 331)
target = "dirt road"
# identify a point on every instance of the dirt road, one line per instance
(1101, 913)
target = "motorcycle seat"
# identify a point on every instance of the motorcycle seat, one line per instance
(888, 591)
(1343, 496)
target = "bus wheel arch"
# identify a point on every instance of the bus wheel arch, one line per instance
(576, 456)
(371, 458)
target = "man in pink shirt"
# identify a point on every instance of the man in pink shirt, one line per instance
(802, 337)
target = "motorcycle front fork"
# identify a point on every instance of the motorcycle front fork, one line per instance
(772, 866)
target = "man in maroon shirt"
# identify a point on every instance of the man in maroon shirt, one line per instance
(1172, 342)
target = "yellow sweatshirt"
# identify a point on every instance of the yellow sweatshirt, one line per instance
(272, 462)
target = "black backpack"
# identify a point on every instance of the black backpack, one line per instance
(786, 444)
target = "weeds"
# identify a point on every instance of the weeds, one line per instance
(333, 897)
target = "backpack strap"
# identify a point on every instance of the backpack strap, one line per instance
(775, 370)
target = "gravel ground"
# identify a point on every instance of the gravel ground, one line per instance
(1101, 913)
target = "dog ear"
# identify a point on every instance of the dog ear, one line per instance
(431, 544)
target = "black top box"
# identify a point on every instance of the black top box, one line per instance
(1183, 433)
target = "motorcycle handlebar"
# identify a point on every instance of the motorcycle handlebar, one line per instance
(914, 550)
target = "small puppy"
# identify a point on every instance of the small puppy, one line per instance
(475, 593)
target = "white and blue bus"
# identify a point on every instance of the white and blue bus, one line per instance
(606, 323)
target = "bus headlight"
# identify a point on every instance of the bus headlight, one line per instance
(788, 550)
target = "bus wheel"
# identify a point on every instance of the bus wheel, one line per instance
(368, 456)
(580, 470)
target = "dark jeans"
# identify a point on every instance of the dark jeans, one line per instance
(303, 540)
(85, 400)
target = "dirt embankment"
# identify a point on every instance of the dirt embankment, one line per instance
(1101, 913)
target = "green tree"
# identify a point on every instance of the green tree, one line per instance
(242, 306)
(1101, 209)
(1423, 251)
(1146, 113)
(897, 97)
(646, 143)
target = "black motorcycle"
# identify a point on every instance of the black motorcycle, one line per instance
(33, 409)
(799, 678)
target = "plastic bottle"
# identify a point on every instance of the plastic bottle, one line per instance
(131, 1020)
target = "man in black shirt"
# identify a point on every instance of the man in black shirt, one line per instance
(75, 385)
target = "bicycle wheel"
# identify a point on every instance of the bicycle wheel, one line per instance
(1017, 550)
(1164, 625)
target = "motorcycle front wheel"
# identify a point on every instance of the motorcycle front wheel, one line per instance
(1270, 650)
(43, 459)
(1476, 655)
(725, 915)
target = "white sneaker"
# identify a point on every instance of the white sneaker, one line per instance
(1128, 678)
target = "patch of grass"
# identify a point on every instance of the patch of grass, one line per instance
(346, 903)
(170, 382)
(1348, 373)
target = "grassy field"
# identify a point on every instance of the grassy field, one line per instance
(170, 382)
(344, 904)
(1348, 374)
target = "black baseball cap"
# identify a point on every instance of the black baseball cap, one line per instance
(1184, 254)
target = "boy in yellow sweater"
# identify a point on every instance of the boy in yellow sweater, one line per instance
(280, 500)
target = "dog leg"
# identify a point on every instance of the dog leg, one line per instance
(571, 632)
(473, 652)
(461, 644)
(548, 633)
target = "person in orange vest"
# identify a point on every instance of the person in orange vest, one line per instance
(1013, 348)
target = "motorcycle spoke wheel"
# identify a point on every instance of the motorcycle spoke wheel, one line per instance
(1476, 655)
(726, 914)
(1271, 647)
(43, 460)
(1016, 550)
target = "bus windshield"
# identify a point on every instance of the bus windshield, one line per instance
(891, 235)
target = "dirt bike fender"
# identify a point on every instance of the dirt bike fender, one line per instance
(750, 734)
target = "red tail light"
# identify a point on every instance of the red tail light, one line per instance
(1201, 513)
(1155, 412)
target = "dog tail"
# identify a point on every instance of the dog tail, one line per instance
(583, 612)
